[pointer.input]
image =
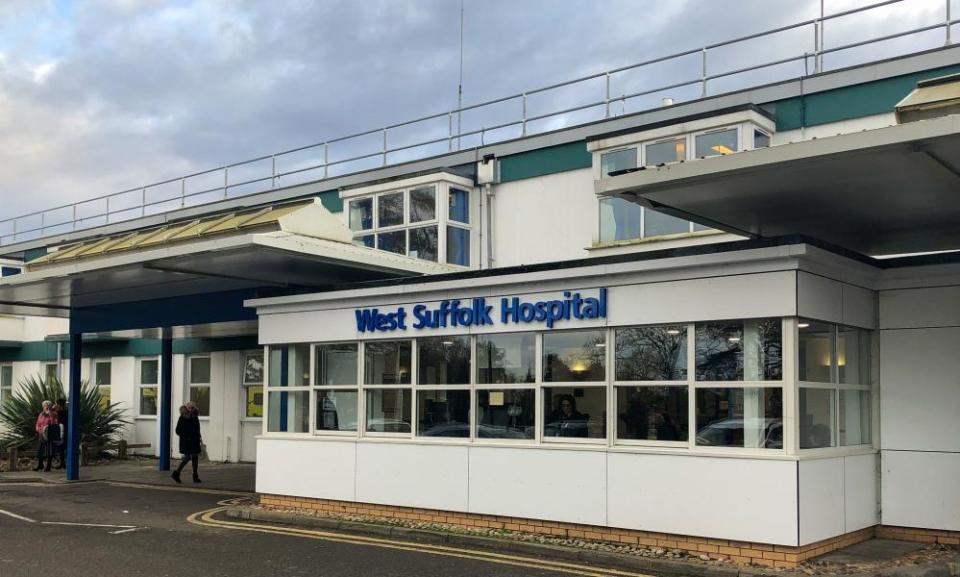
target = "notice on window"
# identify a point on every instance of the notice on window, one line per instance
(496, 398)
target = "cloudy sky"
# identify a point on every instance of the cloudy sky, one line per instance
(103, 95)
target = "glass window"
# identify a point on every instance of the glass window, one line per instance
(817, 408)
(443, 413)
(619, 219)
(51, 372)
(853, 355)
(816, 351)
(652, 353)
(6, 383)
(149, 375)
(443, 361)
(760, 139)
(652, 413)
(717, 143)
(149, 372)
(506, 413)
(336, 364)
(506, 358)
(200, 370)
(740, 417)
(618, 160)
(103, 372)
(290, 366)
(386, 363)
(423, 243)
(148, 401)
(459, 205)
(667, 151)
(253, 384)
(855, 411)
(423, 204)
(458, 246)
(740, 350)
(390, 209)
(388, 410)
(361, 214)
(200, 396)
(367, 240)
(289, 412)
(336, 410)
(395, 241)
(575, 412)
(659, 224)
(574, 356)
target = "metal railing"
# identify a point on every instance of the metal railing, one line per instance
(195, 189)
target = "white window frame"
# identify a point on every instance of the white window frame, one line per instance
(542, 384)
(190, 385)
(364, 387)
(6, 389)
(245, 386)
(316, 388)
(95, 373)
(141, 385)
(267, 389)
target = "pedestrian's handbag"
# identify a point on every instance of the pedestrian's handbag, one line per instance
(51, 433)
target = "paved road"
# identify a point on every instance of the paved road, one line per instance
(127, 530)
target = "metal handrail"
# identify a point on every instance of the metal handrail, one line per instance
(25, 227)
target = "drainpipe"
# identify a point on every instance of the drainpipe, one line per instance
(488, 195)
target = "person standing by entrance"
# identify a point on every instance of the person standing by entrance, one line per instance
(188, 429)
(62, 418)
(48, 433)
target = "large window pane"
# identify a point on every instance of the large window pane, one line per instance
(423, 243)
(618, 160)
(390, 209)
(740, 350)
(361, 214)
(148, 401)
(506, 358)
(853, 360)
(336, 410)
(289, 412)
(816, 351)
(740, 417)
(574, 412)
(6, 376)
(103, 372)
(506, 414)
(576, 356)
(443, 413)
(658, 224)
(200, 370)
(395, 241)
(386, 363)
(652, 353)
(652, 413)
(253, 368)
(200, 396)
(817, 418)
(716, 143)
(423, 204)
(459, 205)
(443, 360)
(336, 364)
(619, 219)
(665, 152)
(149, 372)
(855, 411)
(388, 410)
(458, 246)
(290, 366)
(254, 401)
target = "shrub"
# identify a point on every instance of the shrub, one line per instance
(99, 423)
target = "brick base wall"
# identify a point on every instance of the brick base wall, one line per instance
(740, 552)
(940, 536)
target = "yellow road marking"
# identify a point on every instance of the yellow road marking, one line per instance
(205, 518)
(177, 488)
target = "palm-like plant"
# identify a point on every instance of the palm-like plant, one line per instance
(99, 422)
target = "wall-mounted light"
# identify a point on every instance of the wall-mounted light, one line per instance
(803, 325)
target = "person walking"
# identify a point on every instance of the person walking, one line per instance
(48, 433)
(61, 409)
(188, 429)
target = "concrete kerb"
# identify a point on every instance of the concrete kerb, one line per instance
(658, 567)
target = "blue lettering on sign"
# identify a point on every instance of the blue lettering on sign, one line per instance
(476, 312)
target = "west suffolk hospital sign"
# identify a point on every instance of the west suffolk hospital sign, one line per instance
(478, 312)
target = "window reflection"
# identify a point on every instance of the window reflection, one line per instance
(576, 356)
(618, 160)
(575, 412)
(443, 413)
(386, 363)
(506, 414)
(816, 418)
(388, 410)
(336, 364)
(337, 410)
(652, 413)
(443, 360)
(652, 354)
(740, 417)
(506, 358)
(717, 143)
(816, 351)
(740, 350)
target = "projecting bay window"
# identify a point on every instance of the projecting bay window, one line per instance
(431, 222)
(834, 385)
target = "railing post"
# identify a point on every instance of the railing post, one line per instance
(606, 99)
(483, 133)
(326, 158)
(74, 216)
(450, 130)
(106, 215)
(14, 230)
(818, 42)
(703, 72)
(523, 131)
(226, 177)
(384, 147)
(183, 192)
(43, 221)
(947, 22)
(143, 201)
(273, 172)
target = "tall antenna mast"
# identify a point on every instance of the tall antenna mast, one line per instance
(460, 81)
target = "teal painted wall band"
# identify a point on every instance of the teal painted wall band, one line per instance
(47, 351)
(330, 199)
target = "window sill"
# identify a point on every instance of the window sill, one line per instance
(600, 245)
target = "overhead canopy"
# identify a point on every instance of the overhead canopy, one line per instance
(884, 191)
(292, 246)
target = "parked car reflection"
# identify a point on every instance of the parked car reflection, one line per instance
(732, 433)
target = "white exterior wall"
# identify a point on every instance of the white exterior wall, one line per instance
(663, 493)
(920, 406)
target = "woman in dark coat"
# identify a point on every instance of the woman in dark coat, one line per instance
(188, 429)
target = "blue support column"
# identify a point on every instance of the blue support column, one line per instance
(166, 398)
(73, 408)
(284, 381)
